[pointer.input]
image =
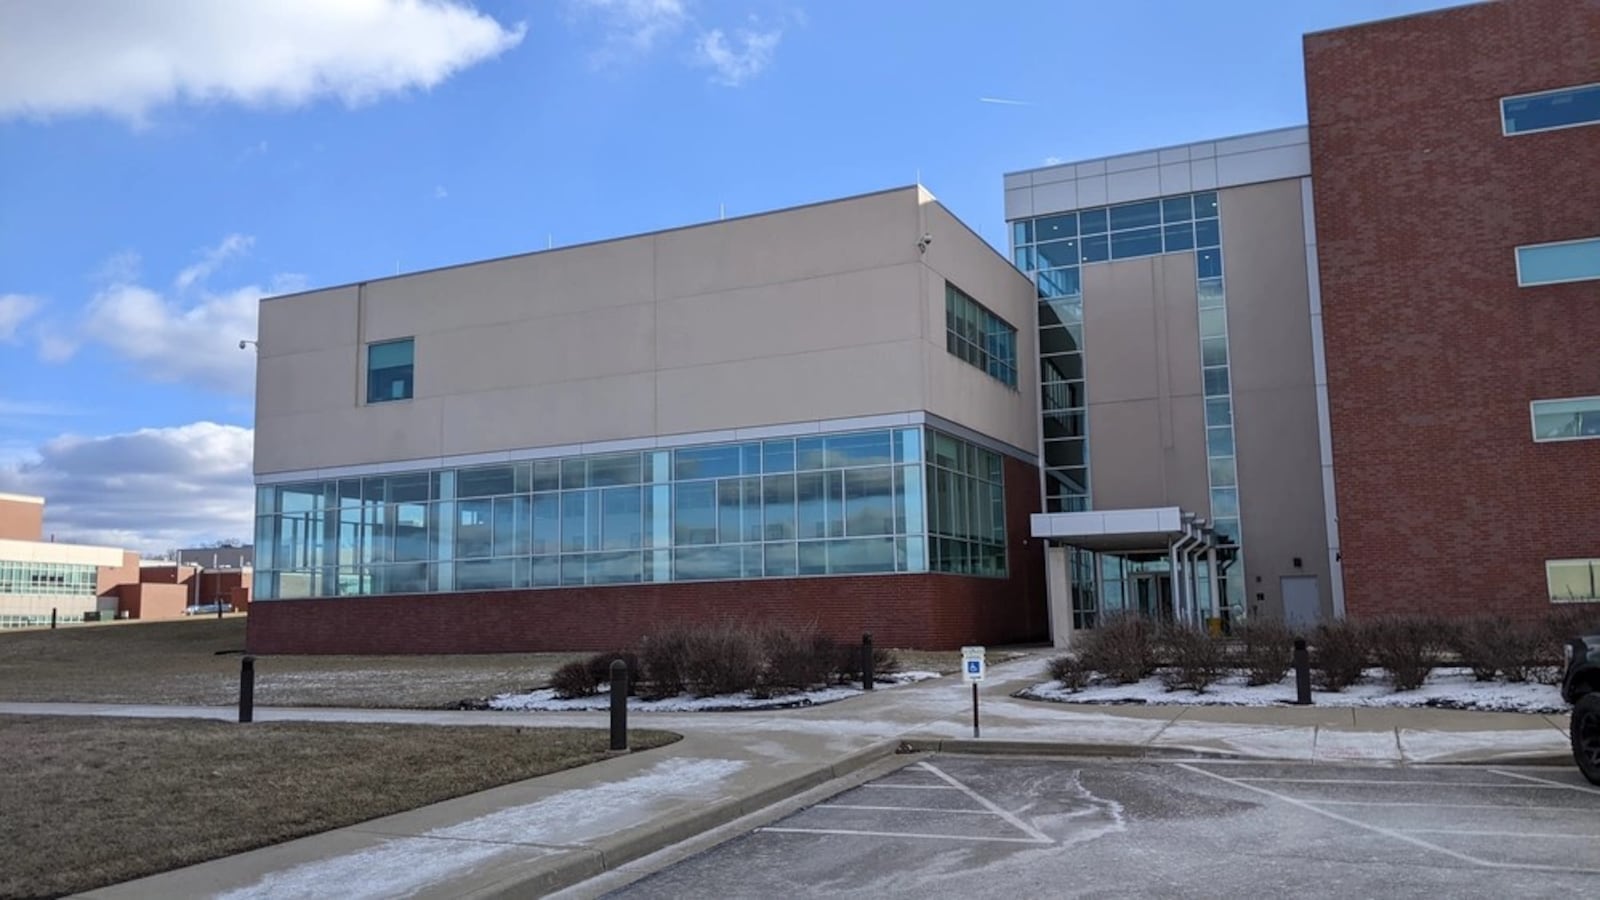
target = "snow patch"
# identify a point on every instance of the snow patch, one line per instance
(1450, 688)
(403, 866)
(546, 699)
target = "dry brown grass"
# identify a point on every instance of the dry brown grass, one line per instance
(94, 801)
(196, 661)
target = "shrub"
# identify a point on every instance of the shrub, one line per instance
(1339, 654)
(1266, 651)
(1479, 642)
(1071, 672)
(1496, 644)
(1122, 648)
(664, 658)
(1407, 647)
(796, 659)
(722, 659)
(600, 668)
(1562, 625)
(848, 667)
(574, 680)
(1197, 660)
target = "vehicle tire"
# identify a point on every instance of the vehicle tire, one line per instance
(1586, 735)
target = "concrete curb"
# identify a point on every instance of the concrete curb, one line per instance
(546, 876)
(980, 747)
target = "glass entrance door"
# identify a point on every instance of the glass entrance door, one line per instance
(1152, 594)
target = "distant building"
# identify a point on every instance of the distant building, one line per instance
(241, 557)
(78, 582)
(38, 577)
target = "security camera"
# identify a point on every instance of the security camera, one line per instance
(922, 245)
(243, 344)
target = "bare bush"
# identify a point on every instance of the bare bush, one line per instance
(795, 659)
(664, 657)
(1071, 672)
(1266, 651)
(1196, 659)
(1339, 654)
(600, 668)
(574, 680)
(1518, 650)
(723, 659)
(848, 667)
(1407, 647)
(1122, 648)
(1561, 625)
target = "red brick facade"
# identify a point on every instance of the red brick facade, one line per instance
(1434, 353)
(928, 611)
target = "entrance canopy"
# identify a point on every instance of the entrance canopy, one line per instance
(1123, 530)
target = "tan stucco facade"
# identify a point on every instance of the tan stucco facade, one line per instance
(830, 311)
(1273, 380)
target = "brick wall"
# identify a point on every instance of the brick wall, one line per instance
(924, 610)
(1445, 502)
(21, 520)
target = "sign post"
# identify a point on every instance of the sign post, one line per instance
(972, 670)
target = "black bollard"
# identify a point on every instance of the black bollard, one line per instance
(1302, 673)
(866, 661)
(219, 610)
(619, 705)
(247, 689)
(52, 618)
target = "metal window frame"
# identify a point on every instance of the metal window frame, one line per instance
(1533, 424)
(1593, 564)
(1517, 255)
(1501, 103)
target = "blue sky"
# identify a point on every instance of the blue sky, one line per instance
(163, 165)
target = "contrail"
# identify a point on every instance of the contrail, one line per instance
(1004, 102)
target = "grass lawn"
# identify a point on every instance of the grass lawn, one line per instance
(179, 662)
(94, 801)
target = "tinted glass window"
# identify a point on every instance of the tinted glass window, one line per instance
(1552, 109)
(389, 370)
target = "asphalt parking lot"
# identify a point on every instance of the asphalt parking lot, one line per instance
(994, 826)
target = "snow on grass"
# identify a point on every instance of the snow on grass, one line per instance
(1445, 689)
(546, 699)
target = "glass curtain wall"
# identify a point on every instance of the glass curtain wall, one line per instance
(838, 504)
(1053, 250)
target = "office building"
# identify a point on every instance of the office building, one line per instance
(824, 414)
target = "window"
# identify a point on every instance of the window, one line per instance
(1566, 420)
(1558, 262)
(389, 371)
(1546, 110)
(980, 337)
(1573, 580)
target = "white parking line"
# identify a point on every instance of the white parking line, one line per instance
(1581, 788)
(1426, 805)
(906, 834)
(1509, 834)
(1389, 832)
(931, 809)
(1432, 784)
(1017, 823)
(910, 787)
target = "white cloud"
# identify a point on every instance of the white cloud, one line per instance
(147, 490)
(439, 193)
(14, 308)
(69, 57)
(172, 340)
(731, 66)
(632, 28)
(54, 346)
(190, 334)
(231, 246)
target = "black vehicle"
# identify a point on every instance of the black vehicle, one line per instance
(1581, 688)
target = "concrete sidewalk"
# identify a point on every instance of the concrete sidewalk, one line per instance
(539, 835)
